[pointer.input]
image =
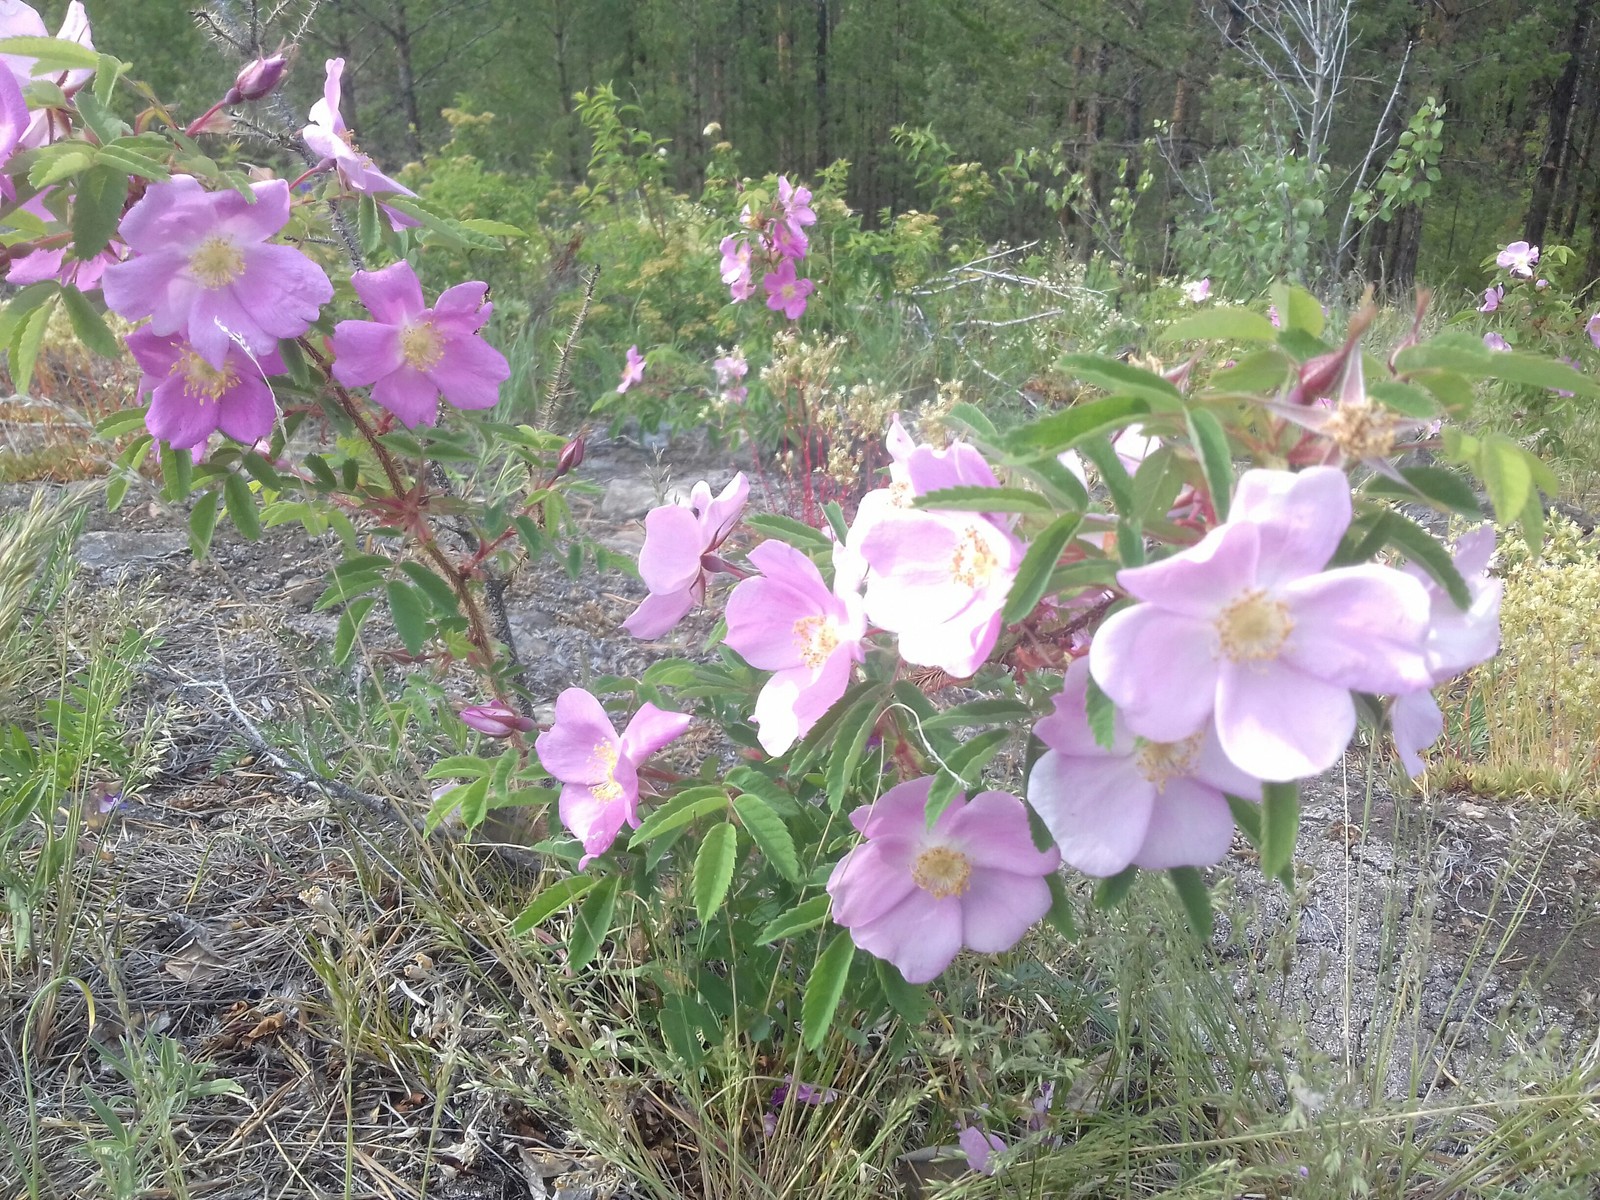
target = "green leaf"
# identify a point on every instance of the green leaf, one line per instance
(29, 339)
(769, 833)
(552, 900)
(786, 529)
(241, 506)
(824, 989)
(1156, 483)
(106, 74)
(88, 324)
(1216, 460)
(1440, 486)
(53, 55)
(350, 622)
(1220, 324)
(1422, 548)
(966, 763)
(688, 805)
(456, 764)
(1407, 399)
(1060, 914)
(850, 746)
(447, 228)
(985, 500)
(1262, 371)
(122, 422)
(439, 593)
(1050, 435)
(1280, 826)
(808, 914)
(1114, 890)
(1507, 476)
(593, 923)
(369, 226)
(1122, 379)
(909, 1000)
(1247, 816)
(1102, 715)
(471, 798)
(131, 162)
(713, 869)
(57, 163)
(1301, 310)
(410, 615)
(1038, 564)
(1539, 372)
(203, 523)
(493, 228)
(980, 712)
(177, 472)
(1113, 474)
(1196, 896)
(973, 419)
(102, 122)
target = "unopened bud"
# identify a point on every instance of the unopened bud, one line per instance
(258, 80)
(571, 456)
(495, 720)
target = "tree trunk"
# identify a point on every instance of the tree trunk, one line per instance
(821, 75)
(407, 79)
(1558, 141)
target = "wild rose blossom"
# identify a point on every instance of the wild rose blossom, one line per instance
(736, 269)
(1495, 342)
(23, 20)
(202, 266)
(1458, 639)
(788, 241)
(1518, 258)
(1492, 297)
(1196, 291)
(678, 541)
(980, 1148)
(1149, 804)
(331, 139)
(600, 770)
(411, 354)
(1593, 330)
(915, 896)
(788, 621)
(1248, 629)
(190, 399)
(632, 370)
(786, 293)
(730, 368)
(794, 203)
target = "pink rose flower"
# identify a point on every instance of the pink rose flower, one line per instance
(1518, 258)
(190, 399)
(1248, 629)
(1492, 297)
(1495, 342)
(915, 896)
(786, 293)
(678, 540)
(599, 770)
(736, 272)
(411, 354)
(1154, 805)
(331, 139)
(632, 370)
(1593, 330)
(795, 205)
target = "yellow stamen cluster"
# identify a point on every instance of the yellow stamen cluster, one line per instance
(608, 790)
(1161, 762)
(421, 346)
(203, 381)
(1361, 430)
(217, 262)
(942, 872)
(973, 564)
(1254, 627)
(815, 639)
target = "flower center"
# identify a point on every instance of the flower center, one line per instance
(973, 563)
(421, 346)
(942, 872)
(608, 790)
(815, 639)
(201, 380)
(1254, 627)
(900, 494)
(1160, 762)
(217, 262)
(1360, 430)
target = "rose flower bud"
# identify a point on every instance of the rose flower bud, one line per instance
(495, 720)
(258, 80)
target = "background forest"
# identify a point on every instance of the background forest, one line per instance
(1392, 139)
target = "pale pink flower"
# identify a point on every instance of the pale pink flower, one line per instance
(1457, 640)
(495, 720)
(786, 293)
(730, 367)
(632, 370)
(736, 271)
(1492, 297)
(1518, 258)
(1495, 342)
(23, 20)
(1541, 284)
(1133, 445)
(980, 1148)
(795, 205)
(1248, 629)
(331, 139)
(788, 241)
(1149, 804)
(1272, 315)
(914, 896)
(190, 399)
(1593, 330)
(411, 354)
(202, 266)
(600, 770)
(60, 261)
(787, 620)
(1196, 290)
(680, 541)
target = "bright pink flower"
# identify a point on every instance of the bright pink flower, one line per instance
(736, 267)
(13, 122)
(1457, 640)
(329, 137)
(980, 1148)
(190, 399)
(678, 540)
(600, 770)
(795, 206)
(938, 580)
(1518, 258)
(915, 896)
(788, 241)
(1593, 330)
(632, 370)
(1247, 628)
(1150, 804)
(785, 293)
(1495, 342)
(412, 354)
(22, 20)
(787, 620)
(1196, 291)
(495, 720)
(1492, 297)
(1272, 315)
(57, 262)
(202, 266)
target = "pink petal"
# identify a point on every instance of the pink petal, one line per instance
(910, 555)
(365, 352)
(650, 729)
(462, 310)
(720, 516)
(1191, 825)
(669, 560)
(1067, 729)
(992, 831)
(470, 373)
(1302, 517)
(998, 907)
(409, 395)
(920, 935)
(899, 812)
(593, 821)
(659, 612)
(282, 291)
(142, 287)
(872, 879)
(1277, 723)
(1417, 723)
(793, 701)
(1159, 668)
(169, 215)
(568, 749)
(178, 418)
(246, 222)
(1360, 627)
(1202, 580)
(248, 410)
(958, 646)
(1097, 809)
(392, 295)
